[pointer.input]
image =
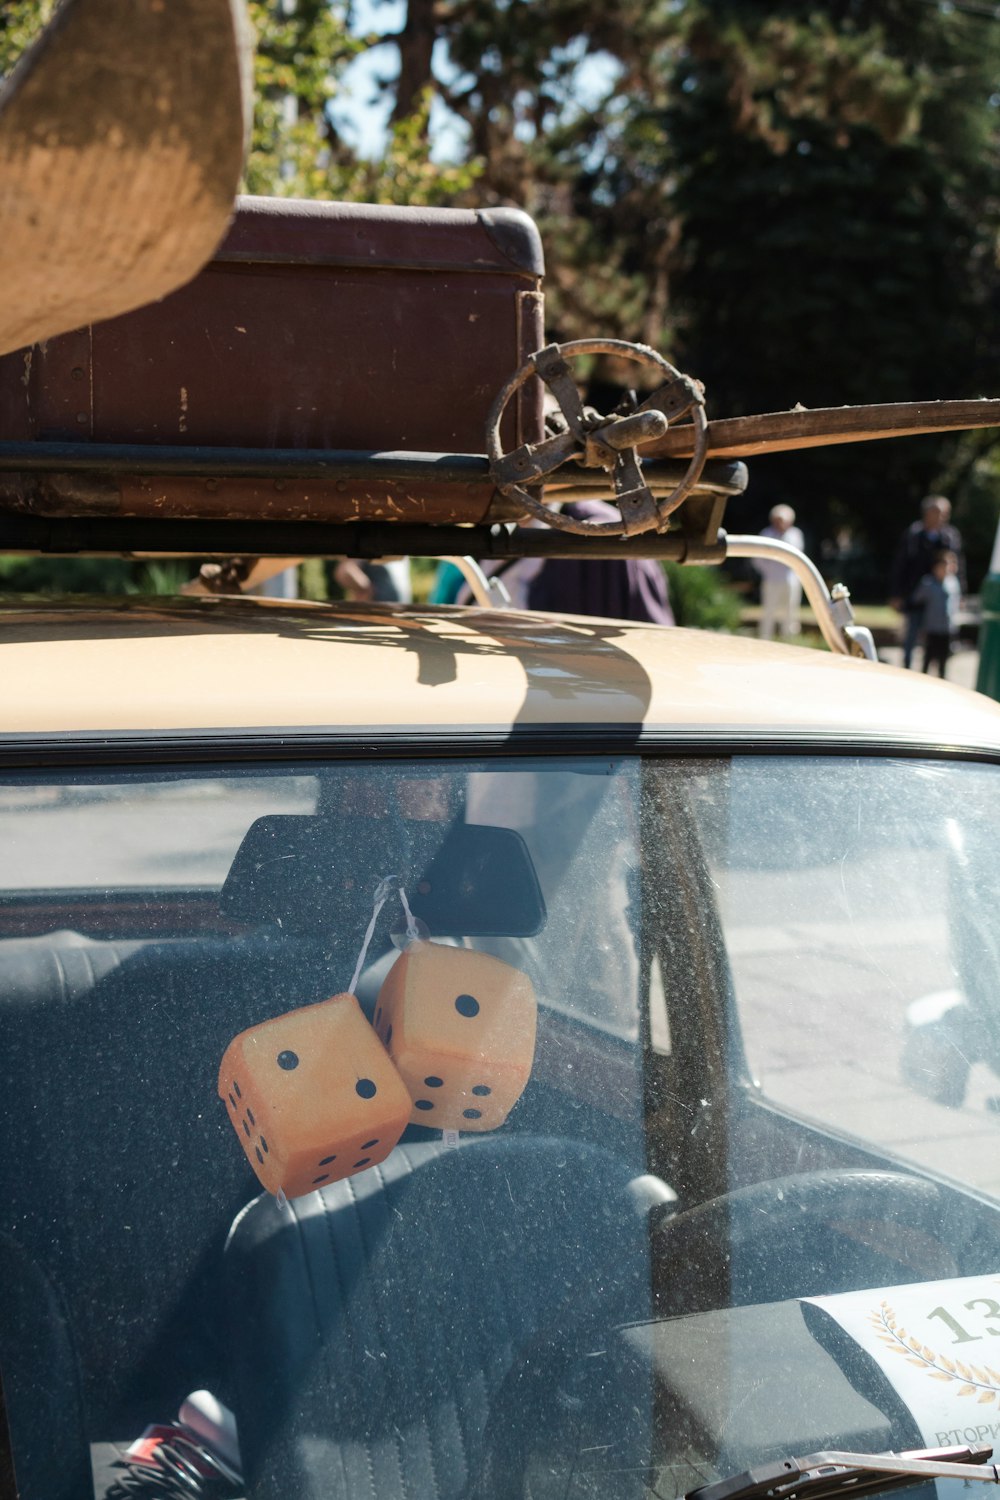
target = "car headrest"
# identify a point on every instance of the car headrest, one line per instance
(314, 874)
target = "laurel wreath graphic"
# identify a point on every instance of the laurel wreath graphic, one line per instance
(972, 1380)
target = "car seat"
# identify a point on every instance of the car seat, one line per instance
(371, 1323)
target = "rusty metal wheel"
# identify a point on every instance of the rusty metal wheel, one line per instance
(585, 437)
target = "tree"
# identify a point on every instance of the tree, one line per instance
(797, 203)
(302, 53)
(834, 172)
(20, 23)
(793, 201)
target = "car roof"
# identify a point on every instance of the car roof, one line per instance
(204, 664)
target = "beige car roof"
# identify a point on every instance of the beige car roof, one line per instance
(225, 664)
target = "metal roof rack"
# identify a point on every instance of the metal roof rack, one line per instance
(668, 470)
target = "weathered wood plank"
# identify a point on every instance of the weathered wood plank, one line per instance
(122, 134)
(783, 431)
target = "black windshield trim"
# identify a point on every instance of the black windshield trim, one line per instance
(257, 744)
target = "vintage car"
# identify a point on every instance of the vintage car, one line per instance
(695, 882)
(448, 1053)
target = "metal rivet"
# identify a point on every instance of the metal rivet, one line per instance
(82, 417)
(211, 485)
(77, 373)
(341, 485)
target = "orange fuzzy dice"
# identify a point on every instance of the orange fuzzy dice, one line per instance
(460, 1028)
(313, 1096)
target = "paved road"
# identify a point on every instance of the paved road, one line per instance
(962, 667)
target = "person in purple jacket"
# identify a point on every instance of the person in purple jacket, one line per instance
(617, 589)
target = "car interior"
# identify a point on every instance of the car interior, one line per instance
(470, 1312)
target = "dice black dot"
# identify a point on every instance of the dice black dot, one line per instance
(467, 1005)
(288, 1060)
(482, 1090)
(365, 1088)
(362, 1163)
(250, 1116)
(260, 1155)
(232, 1101)
(434, 1083)
(472, 1114)
(388, 1036)
(237, 1088)
(365, 1146)
(378, 1014)
(424, 1104)
(325, 1178)
(246, 1128)
(265, 1147)
(328, 1159)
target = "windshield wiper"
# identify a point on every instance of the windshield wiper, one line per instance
(849, 1474)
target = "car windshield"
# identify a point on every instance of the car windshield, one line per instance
(568, 1126)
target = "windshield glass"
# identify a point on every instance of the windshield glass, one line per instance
(561, 1127)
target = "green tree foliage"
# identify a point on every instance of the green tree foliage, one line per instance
(20, 23)
(797, 202)
(836, 178)
(703, 598)
(296, 151)
(301, 53)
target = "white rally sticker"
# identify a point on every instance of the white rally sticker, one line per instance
(938, 1345)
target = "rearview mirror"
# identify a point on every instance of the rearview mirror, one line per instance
(481, 883)
(311, 874)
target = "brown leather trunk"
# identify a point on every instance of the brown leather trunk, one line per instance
(317, 326)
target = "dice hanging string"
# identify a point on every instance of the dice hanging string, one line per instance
(413, 928)
(383, 891)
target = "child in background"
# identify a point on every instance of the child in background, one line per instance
(938, 596)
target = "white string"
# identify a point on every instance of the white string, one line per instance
(412, 930)
(383, 891)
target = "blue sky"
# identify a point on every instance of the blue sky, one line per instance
(362, 119)
(359, 118)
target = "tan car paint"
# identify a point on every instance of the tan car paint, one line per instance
(240, 663)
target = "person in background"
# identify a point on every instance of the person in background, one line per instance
(450, 586)
(914, 560)
(633, 588)
(780, 589)
(937, 596)
(383, 583)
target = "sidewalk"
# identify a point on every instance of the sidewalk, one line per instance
(963, 665)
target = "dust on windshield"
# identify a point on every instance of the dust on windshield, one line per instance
(572, 1125)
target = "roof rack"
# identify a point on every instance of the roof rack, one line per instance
(59, 497)
(284, 334)
(669, 471)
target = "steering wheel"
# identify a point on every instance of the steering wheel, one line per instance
(584, 438)
(767, 1242)
(800, 1236)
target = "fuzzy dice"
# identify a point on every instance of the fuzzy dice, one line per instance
(460, 1028)
(312, 1096)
